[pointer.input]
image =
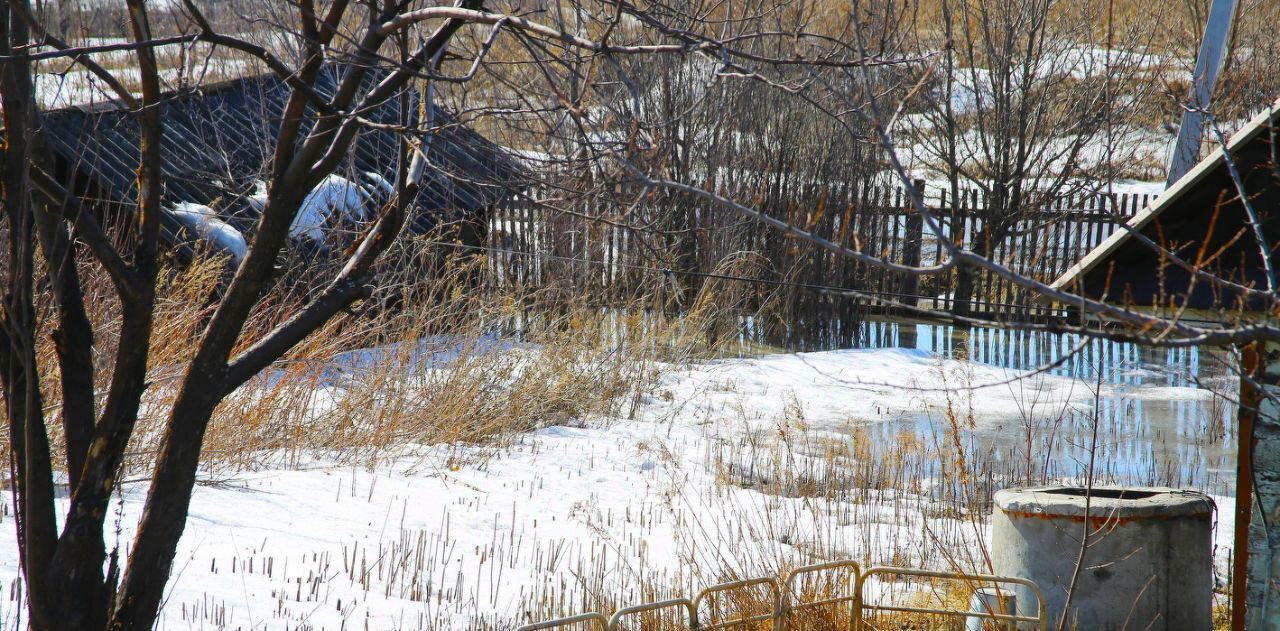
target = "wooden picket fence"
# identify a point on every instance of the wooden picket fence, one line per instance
(598, 252)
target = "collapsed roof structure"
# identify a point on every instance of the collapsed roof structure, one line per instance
(218, 141)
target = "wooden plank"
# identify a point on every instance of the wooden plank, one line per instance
(914, 235)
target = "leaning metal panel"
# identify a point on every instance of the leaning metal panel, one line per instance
(787, 608)
(1039, 619)
(785, 604)
(615, 623)
(600, 621)
(775, 608)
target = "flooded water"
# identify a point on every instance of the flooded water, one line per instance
(1164, 416)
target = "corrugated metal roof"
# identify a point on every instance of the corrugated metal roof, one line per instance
(219, 139)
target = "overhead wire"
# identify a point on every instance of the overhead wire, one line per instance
(884, 297)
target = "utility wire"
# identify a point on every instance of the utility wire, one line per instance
(672, 271)
(886, 298)
(830, 289)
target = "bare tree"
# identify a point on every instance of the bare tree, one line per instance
(843, 64)
(73, 580)
(1015, 111)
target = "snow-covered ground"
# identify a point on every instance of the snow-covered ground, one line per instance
(734, 467)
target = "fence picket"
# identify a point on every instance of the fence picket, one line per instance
(536, 247)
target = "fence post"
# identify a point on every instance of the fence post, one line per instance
(911, 246)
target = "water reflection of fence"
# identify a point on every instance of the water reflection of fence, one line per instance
(1182, 437)
(786, 602)
(1069, 354)
(609, 254)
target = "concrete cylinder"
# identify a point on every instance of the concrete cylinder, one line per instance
(1148, 565)
(989, 600)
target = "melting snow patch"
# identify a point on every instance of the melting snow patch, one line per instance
(333, 194)
(460, 535)
(205, 224)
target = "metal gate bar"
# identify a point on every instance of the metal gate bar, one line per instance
(787, 608)
(775, 606)
(783, 607)
(615, 623)
(1039, 619)
(597, 618)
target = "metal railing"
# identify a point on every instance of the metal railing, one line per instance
(743, 619)
(1040, 619)
(788, 609)
(597, 618)
(784, 602)
(615, 623)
